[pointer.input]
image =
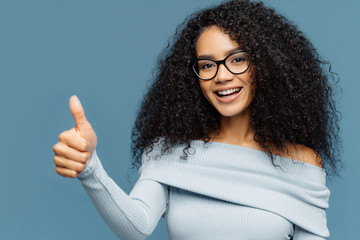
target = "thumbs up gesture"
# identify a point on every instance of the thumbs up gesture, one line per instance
(75, 146)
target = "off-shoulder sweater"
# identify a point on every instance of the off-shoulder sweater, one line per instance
(220, 191)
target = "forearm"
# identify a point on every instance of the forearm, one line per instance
(129, 217)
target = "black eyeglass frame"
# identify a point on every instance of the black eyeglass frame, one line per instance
(218, 64)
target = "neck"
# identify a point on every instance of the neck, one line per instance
(236, 130)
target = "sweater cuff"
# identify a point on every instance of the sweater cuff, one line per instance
(90, 169)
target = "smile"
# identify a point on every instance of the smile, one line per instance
(229, 95)
(228, 92)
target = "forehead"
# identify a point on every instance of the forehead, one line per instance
(214, 42)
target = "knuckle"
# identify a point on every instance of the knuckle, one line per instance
(61, 136)
(58, 170)
(56, 159)
(85, 145)
(56, 147)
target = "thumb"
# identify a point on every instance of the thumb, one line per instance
(78, 113)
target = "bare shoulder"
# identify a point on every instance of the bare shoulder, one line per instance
(303, 154)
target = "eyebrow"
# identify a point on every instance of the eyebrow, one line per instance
(226, 53)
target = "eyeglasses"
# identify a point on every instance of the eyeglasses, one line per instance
(236, 63)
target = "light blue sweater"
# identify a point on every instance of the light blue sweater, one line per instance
(221, 191)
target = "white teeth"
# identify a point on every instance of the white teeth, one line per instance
(229, 91)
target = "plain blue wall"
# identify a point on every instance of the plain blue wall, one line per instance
(51, 49)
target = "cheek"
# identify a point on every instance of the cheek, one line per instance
(246, 79)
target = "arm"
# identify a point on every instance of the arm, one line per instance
(130, 217)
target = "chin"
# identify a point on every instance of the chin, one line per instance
(233, 113)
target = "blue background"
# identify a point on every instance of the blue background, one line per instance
(51, 49)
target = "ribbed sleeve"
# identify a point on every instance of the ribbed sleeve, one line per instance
(131, 216)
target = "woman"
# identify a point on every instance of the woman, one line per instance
(234, 137)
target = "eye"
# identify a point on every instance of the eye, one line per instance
(238, 59)
(206, 65)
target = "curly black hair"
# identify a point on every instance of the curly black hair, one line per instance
(293, 101)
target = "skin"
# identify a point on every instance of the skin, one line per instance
(76, 145)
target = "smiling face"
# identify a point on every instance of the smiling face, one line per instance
(229, 93)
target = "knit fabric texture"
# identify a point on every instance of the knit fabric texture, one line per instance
(220, 191)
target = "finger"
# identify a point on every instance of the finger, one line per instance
(64, 150)
(66, 172)
(78, 113)
(68, 164)
(72, 139)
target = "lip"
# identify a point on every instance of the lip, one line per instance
(229, 99)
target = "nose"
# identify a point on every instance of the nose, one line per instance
(223, 74)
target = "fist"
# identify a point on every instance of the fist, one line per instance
(76, 145)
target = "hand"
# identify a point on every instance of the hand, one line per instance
(75, 146)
